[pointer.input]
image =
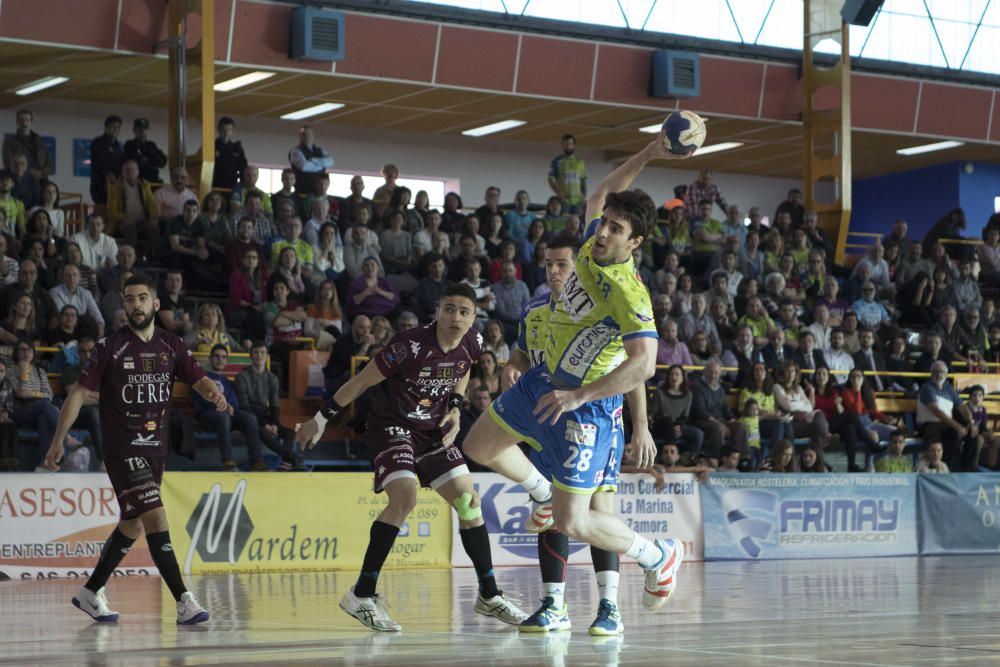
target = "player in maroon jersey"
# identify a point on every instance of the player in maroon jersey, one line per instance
(418, 381)
(131, 373)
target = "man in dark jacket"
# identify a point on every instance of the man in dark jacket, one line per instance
(146, 153)
(106, 155)
(223, 423)
(712, 415)
(230, 159)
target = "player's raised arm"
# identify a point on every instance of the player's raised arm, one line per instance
(308, 434)
(624, 175)
(75, 400)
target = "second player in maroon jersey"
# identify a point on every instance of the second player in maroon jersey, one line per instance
(418, 383)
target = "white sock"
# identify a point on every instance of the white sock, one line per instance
(539, 488)
(645, 552)
(556, 591)
(607, 585)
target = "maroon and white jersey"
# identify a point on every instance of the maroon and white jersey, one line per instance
(136, 380)
(420, 377)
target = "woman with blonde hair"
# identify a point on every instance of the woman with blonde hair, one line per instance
(324, 317)
(210, 331)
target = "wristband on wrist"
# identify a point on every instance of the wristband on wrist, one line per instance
(329, 411)
(455, 401)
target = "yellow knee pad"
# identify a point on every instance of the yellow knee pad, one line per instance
(463, 506)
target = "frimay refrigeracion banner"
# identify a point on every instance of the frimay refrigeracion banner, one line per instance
(959, 514)
(674, 511)
(809, 516)
(233, 522)
(54, 525)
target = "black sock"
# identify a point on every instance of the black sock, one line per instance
(382, 535)
(114, 550)
(162, 552)
(604, 561)
(477, 544)
(553, 552)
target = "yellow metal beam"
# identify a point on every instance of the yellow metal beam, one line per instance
(826, 121)
(192, 102)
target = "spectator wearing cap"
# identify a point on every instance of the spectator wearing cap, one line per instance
(309, 161)
(942, 417)
(106, 155)
(28, 143)
(170, 199)
(230, 159)
(145, 152)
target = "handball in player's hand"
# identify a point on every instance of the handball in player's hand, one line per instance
(683, 132)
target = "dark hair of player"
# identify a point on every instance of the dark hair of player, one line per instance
(220, 346)
(462, 290)
(257, 344)
(635, 206)
(560, 242)
(143, 280)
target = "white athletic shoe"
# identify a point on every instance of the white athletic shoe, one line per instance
(369, 612)
(541, 517)
(501, 608)
(661, 579)
(189, 612)
(95, 605)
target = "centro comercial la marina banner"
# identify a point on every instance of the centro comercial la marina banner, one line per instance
(233, 522)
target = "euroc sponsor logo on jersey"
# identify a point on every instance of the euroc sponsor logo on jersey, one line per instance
(47, 501)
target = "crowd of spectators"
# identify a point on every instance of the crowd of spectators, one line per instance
(758, 304)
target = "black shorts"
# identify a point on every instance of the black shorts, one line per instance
(136, 481)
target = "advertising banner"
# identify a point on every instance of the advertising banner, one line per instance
(54, 525)
(959, 514)
(809, 516)
(673, 512)
(234, 522)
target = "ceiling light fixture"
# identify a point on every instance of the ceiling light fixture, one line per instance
(652, 129)
(930, 148)
(715, 148)
(240, 81)
(308, 112)
(493, 128)
(40, 84)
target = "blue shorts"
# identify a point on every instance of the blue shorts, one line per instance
(581, 453)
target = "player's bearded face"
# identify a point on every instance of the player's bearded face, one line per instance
(139, 317)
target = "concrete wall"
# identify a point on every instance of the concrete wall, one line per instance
(472, 163)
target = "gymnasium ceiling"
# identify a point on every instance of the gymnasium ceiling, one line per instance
(771, 147)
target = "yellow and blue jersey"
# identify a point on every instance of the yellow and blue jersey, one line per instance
(600, 307)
